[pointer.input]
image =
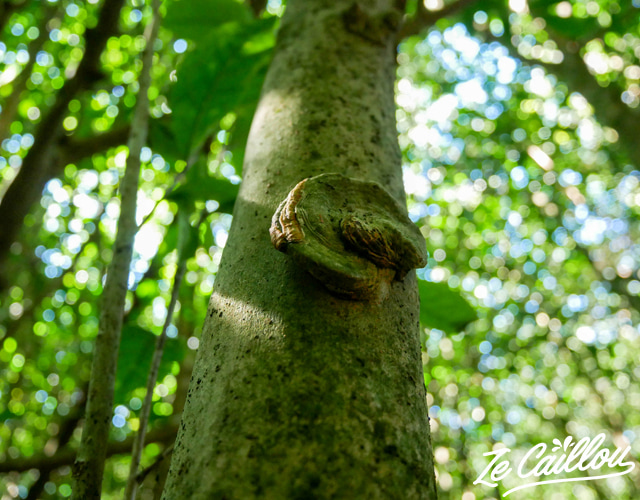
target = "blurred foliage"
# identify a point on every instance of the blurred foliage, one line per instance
(524, 184)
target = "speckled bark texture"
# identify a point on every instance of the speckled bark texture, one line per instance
(298, 393)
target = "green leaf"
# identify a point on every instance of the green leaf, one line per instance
(225, 72)
(169, 243)
(188, 237)
(443, 308)
(162, 141)
(200, 186)
(147, 289)
(134, 359)
(240, 134)
(194, 19)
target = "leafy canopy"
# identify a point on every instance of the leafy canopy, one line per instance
(518, 125)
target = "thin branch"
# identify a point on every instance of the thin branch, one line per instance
(607, 104)
(257, 6)
(66, 456)
(89, 466)
(138, 443)
(178, 178)
(608, 108)
(26, 188)
(141, 476)
(135, 477)
(618, 284)
(7, 8)
(10, 107)
(426, 18)
(72, 150)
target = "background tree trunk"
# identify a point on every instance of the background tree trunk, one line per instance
(297, 393)
(89, 465)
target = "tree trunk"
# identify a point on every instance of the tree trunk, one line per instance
(89, 465)
(298, 392)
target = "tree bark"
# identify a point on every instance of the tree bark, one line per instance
(296, 392)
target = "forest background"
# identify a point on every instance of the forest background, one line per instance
(518, 122)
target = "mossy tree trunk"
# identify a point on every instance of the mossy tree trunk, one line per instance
(297, 392)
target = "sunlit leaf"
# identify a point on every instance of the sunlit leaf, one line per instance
(216, 78)
(443, 308)
(134, 360)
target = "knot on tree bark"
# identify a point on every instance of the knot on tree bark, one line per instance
(352, 235)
